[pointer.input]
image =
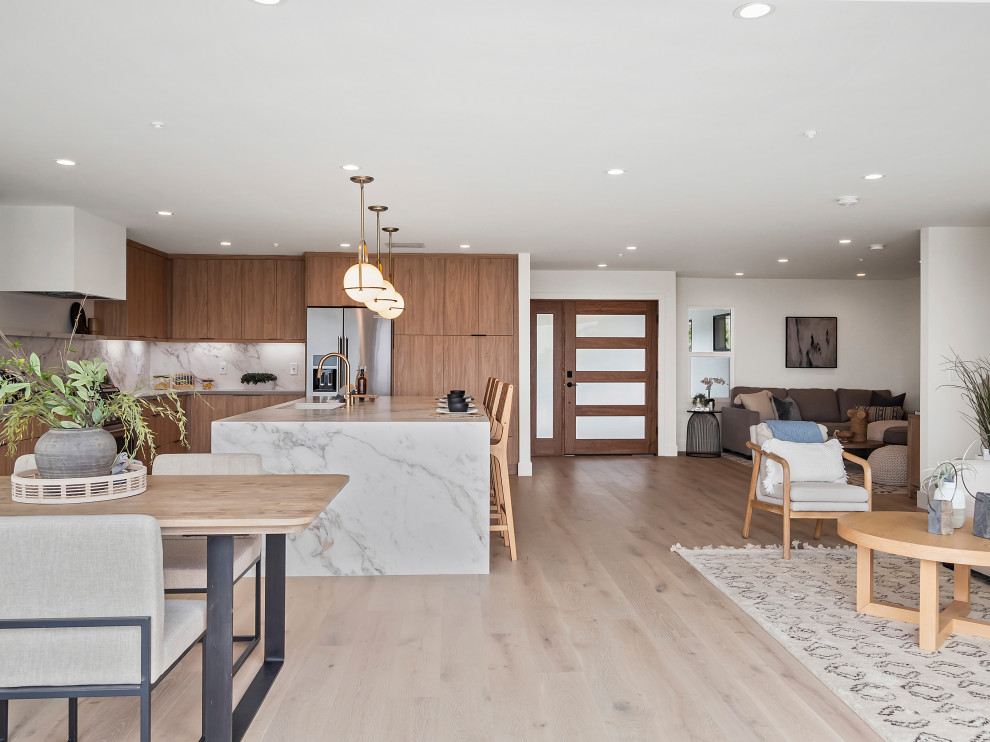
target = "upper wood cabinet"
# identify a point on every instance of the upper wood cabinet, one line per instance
(224, 300)
(290, 299)
(190, 309)
(498, 284)
(460, 296)
(419, 280)
(325, 279)
(259, 299)
(144, 314)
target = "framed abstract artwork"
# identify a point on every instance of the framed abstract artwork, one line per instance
(812, 342)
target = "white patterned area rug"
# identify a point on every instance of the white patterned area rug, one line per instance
(873, 664)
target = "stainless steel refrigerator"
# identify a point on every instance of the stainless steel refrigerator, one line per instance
(355, 332)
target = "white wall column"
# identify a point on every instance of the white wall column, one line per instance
(525, 438)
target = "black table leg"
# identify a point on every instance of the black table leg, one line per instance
(218, 646)
(254, 696)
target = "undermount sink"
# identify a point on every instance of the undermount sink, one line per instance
(330, 404)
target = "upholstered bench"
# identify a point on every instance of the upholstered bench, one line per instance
(889, 466)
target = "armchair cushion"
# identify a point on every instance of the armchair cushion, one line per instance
(807, 462)
(827, 496)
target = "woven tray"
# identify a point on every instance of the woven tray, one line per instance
(28, 486)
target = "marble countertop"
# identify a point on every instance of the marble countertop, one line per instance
(382, 410)
(239, 392)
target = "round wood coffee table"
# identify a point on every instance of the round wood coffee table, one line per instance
(907, 534)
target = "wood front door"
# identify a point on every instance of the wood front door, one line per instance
(594, 377)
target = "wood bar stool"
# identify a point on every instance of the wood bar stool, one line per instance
(490, 389)
(501, 508)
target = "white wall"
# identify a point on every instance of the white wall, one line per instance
(955, 264)
(660, 286)
(35, 313)
(878, 333)
(525, 440)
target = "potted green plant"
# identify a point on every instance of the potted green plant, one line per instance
(700, 400)
(259, 378)
(71, 402)
(974, 383)
(946, 481)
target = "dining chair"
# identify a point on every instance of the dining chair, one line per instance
(501, 505)
(490, 388)
(185, 556)
(807, 500)
(84, 613)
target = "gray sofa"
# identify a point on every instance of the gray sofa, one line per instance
(825, 406)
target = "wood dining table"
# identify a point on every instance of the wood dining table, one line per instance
(221, 507)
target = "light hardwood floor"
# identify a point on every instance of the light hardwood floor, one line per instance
(598, 632)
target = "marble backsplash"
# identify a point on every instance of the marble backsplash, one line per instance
(132, 363)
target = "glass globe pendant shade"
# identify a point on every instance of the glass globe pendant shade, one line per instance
(363, 281)
(395, 309)
(384, 300)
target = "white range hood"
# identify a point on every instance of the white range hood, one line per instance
(62, 251)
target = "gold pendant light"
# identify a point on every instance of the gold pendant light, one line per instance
(393, 299)
(363, 281)
(384, 299)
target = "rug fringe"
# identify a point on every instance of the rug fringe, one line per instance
(800, 545)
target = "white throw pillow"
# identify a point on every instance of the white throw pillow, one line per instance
(808, 462)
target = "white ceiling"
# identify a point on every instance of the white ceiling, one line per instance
(492, 124)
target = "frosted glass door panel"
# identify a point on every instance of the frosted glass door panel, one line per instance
(624, 427)
(544, 376)
(611, 359)
(611, 393)
(611, 325)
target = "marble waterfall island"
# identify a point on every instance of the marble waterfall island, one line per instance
(417, 502)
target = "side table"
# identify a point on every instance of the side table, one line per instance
(704, 434)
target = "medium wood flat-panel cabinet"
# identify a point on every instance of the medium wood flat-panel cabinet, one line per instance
(224, 300)
(325, 279)
(190, 309)
(144, 314)
(258, 296)
(417, 366)
(420, 281)
(290, 299)
(479, 296)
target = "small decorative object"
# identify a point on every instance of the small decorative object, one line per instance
(844, 435)
(974, 383)
(942, 483)
(699, 400)
(207, 384)
(74, 403)
(77, 318)
(811, 342)
(95, 326)
(709, 382)
(981, 515)
(183, 381)
(361, 382)
(940, 517)
(857, 425)
(255, 377)
(161, 381)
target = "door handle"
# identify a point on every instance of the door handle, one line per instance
(569, 383)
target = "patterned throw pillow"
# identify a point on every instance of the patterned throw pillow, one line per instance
(874, 413)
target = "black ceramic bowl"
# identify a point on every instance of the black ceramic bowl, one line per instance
(457, 405)
(455, 393)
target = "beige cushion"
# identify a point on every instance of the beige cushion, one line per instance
(828, 496)
(761, 402)
(87, 566)
(185, 559)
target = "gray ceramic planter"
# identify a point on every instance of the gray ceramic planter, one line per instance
(67, 453)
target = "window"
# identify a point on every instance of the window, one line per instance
(710, 350)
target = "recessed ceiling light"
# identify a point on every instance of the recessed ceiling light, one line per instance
(615, 171)
(860, 275)
(274, 244)
(164, 213)
(844, 242)
(465, 247)
(268, 2)
(630, 247)
(345, 244)
(350, 167)
(781, 260)
(877, 246)
(749, 11)
(224, 244)
(873, 176)
(603, 265)
(158, 124)
(67, 163)
(810, 134)
(740, 274)
(848, 200)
